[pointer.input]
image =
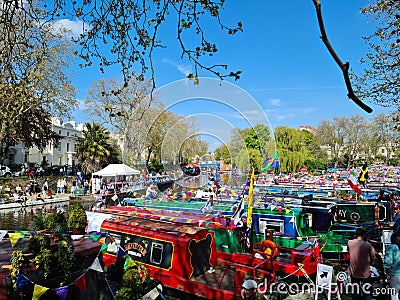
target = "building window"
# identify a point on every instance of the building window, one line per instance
(59, 161)
(67, 147)
(59, 147)
(75, 147)
(26, 157)
(67, 133)
(44, 159)
(383, 151)
(59, 132)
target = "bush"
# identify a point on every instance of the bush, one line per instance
(37, 223)
(77, 218)
(53, 260)
(133, 283)
(55, 221)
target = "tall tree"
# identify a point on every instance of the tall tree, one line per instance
(331, 134)
(127, 32)
(387, 135)
(94, 148)
(354, 128)
(380, 80)
(34, 78)
(121, 111)
(292, 150)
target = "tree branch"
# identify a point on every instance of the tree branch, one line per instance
(342, 66)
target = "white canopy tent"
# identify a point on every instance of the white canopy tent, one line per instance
(112, 170)
(116, 170)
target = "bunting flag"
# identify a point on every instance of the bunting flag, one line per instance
(354, 185)
(38, 291)
(103, 248)
(81, 282)
(129, 262)
(96, 266)
(249, 222)
(62, 292)
(120, 252)
(112, 248)
(95, 237)
(14, 237)
(22, 280)
(2, 234)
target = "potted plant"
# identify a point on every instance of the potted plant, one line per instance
(77, 219)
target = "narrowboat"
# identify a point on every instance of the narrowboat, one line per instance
(182, 257)
(230, 240)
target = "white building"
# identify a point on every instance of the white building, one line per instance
(65, 153)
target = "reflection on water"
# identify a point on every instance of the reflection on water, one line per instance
(21, 218)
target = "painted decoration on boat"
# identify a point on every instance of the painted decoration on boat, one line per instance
(154, 252)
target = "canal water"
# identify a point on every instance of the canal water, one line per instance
(21, 218)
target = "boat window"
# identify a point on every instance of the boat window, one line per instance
(156, 253)
(271, 224)
(308, 218)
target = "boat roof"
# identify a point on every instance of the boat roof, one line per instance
(155, 225)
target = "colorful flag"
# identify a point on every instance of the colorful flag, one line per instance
(239, 213)
(266, 163)
(272, 161)
(354, 185)
(275, 162)
(249, 221)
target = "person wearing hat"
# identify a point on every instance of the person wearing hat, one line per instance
(249, 291)
(396, 220)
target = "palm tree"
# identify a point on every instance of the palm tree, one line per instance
(94, 148)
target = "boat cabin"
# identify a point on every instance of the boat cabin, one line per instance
(172, 249)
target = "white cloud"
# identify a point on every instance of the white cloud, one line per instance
(275, 102)
(73, 28)
(184, 69)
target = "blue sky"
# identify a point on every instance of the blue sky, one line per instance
(285, 66)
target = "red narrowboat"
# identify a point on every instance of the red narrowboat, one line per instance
(182, 257)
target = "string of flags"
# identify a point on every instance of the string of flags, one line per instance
(108, 244)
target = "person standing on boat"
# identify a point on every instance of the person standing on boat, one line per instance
(392, 264)
(396, 220)
(362, 256)
(363, 177)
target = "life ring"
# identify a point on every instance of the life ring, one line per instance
(269, 249)
(355, 216)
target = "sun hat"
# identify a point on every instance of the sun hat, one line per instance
(249, 284)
